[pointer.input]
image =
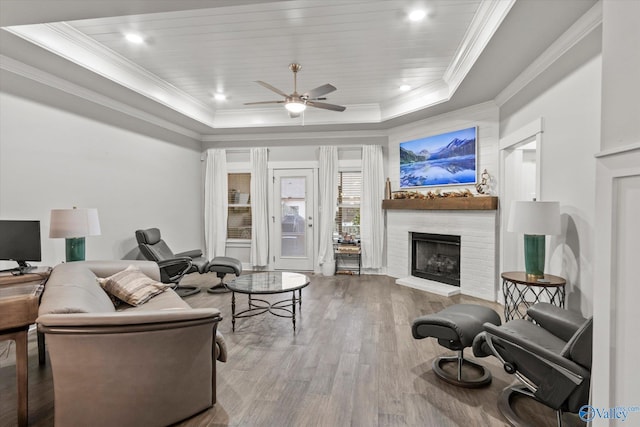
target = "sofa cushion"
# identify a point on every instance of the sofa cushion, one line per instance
(168, 300)
(132, 286)
(72, 288)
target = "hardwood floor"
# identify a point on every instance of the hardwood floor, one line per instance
(351, 362)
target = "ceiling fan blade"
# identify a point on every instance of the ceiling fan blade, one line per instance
(319, 91)
(264, 102)
(271, 88)
(326, 106)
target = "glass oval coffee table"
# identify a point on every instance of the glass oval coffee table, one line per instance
(271, 282)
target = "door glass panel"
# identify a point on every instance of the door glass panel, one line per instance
(292, 202)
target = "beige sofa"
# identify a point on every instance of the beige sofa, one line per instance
(151, 365)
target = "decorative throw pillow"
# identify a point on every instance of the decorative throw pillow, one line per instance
(132, 286)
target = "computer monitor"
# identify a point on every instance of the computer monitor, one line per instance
(20, 242)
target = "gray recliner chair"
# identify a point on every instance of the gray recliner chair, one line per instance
(551, 358)
(174, 266)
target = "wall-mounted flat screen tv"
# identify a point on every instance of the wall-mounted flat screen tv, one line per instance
(445, 159)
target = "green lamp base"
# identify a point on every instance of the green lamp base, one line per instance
(74, 249)
(534, 254)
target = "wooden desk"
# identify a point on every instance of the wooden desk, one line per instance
(19, 300)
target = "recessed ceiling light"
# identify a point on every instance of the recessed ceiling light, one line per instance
(219, 96)
(405, 88)
(417, 15)
(134, 38)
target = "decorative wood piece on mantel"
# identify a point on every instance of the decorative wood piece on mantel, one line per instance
(479, 203)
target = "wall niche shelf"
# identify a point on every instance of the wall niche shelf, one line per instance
(478, 203)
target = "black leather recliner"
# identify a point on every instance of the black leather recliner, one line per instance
(172, 266)
(551, 358)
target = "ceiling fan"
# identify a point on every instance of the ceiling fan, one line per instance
(296, 103)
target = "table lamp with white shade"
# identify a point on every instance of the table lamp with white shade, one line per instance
(536, 220)
(74, 225)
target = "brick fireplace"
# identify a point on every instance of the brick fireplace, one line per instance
(477, 231)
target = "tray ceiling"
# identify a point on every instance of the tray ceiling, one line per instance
(368, 49)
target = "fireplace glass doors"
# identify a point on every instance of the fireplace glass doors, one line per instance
(436, 257)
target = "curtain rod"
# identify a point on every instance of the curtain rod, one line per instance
(246, 149)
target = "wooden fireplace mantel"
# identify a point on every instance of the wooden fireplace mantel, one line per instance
(444, 203)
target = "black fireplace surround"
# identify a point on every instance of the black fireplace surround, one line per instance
(436, 257)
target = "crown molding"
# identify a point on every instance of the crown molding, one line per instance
(423, 97)
(296, 136)
(71, 44)
(611, 152)
(485, 23)
(588, 22)
(27, 71)
(277, 116)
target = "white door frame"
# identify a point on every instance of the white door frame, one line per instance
(274, 214)
(524, 135)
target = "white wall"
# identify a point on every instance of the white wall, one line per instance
(50, 158)
(567, 97)
(617, 244)
(621, 65)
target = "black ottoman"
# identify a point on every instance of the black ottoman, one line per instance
(455, 328)
(223, 265)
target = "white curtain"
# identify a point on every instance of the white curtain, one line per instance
(328, 165)
(215, 203)
(259, 214)
(371, 215)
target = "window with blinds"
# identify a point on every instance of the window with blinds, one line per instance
(347, 225)
(239, 210)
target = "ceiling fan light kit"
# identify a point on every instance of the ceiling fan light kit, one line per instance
(296, 103)
(295, 107)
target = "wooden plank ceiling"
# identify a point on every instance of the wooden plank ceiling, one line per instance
(366, 48)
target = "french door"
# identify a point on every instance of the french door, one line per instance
(292, 221)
